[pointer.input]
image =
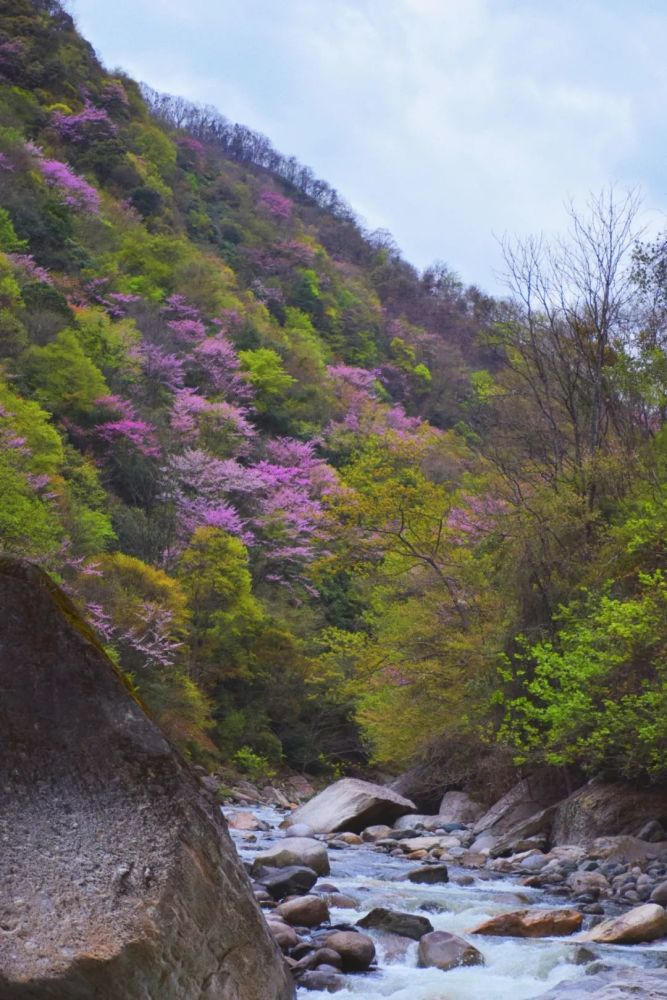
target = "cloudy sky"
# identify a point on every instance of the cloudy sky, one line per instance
(448, 122)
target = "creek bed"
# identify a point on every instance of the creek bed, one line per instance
(514, 969)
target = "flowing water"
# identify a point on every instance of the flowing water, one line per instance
(514, 969)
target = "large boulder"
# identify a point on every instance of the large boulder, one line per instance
(531, 924)
(442, 950)
(527, 798)
(119, 878)
(351, 804)
(291, 881)
(459, 807)
(642, 923)
(423, 784)
(602, 810)
(613, 984)
(294, 852)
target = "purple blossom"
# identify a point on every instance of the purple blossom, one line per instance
(215, 366)
(128, 427)
(83, 125)
(26, 264)
(179, 305)
(187, 330)
(359, 378)
(159, 366)
(276, 204)
(6, 163)
(74, 190)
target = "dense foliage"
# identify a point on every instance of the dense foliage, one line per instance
(323, 510)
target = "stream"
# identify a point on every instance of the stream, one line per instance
(514, 969)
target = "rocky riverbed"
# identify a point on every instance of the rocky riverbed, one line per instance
(413, 913)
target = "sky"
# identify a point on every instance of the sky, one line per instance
(450, 123)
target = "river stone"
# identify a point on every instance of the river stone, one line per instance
(304, 911)
(429, 874)
(524, 801)
(412, 821)
(441, 950)
(118, 874)
(299, 830)
(322, 980)
(291, 881)
(284, 935)
(297, 851)
(642, 923)
(459, 807)
(659, 894)
(613, 984)
(357, 951)
(581, 883)
(531, 924)
(406, 924)
(351, 804)
(625, 848)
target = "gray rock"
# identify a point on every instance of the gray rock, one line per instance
(129, 883)
(295, 880)
(405, 924)
(297, 851)
(324, 981)
(459, 807)
(441, 950)
(653, 831)
(613, 984)
(659, 894)
(351, 804)
(299, 830)
(602, 810)
(429, 874)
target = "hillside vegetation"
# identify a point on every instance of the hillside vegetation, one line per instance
(323, 510)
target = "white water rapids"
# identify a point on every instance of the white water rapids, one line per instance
(514, 969)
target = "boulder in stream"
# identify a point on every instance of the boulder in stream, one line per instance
(442, 950)
(357, 951)
(295, 851)
(409, 925)
(119, 877)
(642, 923)
(531, 924)
(351, 804)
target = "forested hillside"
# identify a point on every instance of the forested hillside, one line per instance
(324, 511)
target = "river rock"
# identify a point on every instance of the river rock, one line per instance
(408, 925)
(372, 834)
(429, 874)
(625, 849)
(441, 950)
(643, 923)
(119, 877)
(300, 830)
(613, 984)
(242, 820)
(531, 924)
(295, 880)
(412, 821)
(322, 980)
(351, 804)
(297, 851)
(599, 809)
(459, 807)
(304, 911)
(659, 894)
(357, 951)
(284, 935)
(582, 883)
